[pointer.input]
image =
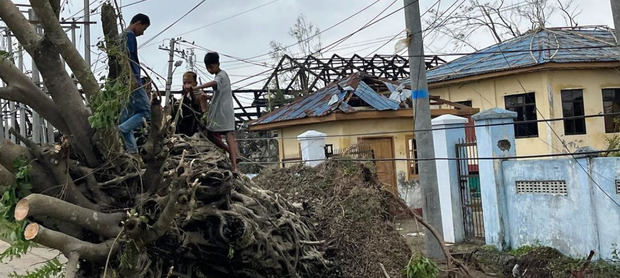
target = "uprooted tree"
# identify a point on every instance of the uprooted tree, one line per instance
(182, 211)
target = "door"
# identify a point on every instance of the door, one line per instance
(383, 148)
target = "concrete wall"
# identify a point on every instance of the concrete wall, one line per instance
(489, 93)
(582, 220)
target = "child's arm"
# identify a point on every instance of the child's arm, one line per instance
(209, 84)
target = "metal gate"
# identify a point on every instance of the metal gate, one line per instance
(469, 184)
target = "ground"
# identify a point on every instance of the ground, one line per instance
(34, 258)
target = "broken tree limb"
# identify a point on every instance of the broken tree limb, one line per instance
(442, 244)
(57, 36)
(60, 171)
(581, 272)
(104, 224)
(72, 265)
(67, 244)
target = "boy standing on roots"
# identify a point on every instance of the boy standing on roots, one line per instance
(139, 107)
(221, 114)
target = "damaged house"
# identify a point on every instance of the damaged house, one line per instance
(359, 112)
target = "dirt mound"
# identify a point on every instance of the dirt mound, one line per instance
(351, 213)
(538, 261)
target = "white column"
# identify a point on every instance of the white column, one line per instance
(312, 147)
(447, 131)
(495, 136)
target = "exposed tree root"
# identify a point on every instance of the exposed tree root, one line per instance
(206, 220)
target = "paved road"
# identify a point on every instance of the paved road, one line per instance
(30, 261)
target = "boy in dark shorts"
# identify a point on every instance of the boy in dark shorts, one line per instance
(221, 114)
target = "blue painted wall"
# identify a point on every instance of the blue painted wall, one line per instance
(583, 220)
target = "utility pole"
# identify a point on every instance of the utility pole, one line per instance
(424, 137)
(615, 12)
(170, 67)
(36, 119)
(87, 31)
(192, 59)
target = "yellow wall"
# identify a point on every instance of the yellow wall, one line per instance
(289, 146)
(489, 93)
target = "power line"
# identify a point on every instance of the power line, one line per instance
(368, 24)
(320, 32)
(562, 141)
(227, 18)
(448, 127)
(437, 158)
(175, 22)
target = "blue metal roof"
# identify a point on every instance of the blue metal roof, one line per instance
(318, 104)
(551, 45)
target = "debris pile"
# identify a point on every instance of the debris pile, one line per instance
(351, 213)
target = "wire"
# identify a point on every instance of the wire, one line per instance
(227, 18)
(368, 24)
(562, 141)
(226, 55)
(173, 23)
(320, 32)
(437, 158)
(448, 127)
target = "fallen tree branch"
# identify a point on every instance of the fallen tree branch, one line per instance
(581, 273)
(66, 244)
(57, 36)
(442, 244)
(72, 265)
(104, 224)
(384, 271)
(60, 171)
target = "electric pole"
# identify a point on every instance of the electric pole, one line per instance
(615, 12)
(87, 31)
(170, 67)
(422, 118)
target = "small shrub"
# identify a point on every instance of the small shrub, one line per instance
(421, 267)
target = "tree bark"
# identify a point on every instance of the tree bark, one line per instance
(23, 90)
(57, 36)
(66, 244)
(105, 224)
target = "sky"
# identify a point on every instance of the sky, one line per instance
(244, 29)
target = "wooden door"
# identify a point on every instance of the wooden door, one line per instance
(383, 148)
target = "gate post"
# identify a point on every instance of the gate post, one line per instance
(495, 136)
(447, 131)
(312, 145)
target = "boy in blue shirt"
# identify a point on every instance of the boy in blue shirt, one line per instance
(139, 107)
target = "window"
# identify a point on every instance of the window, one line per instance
(465, 102)
(412, 152)
(572, 106)
(611, 105)
(525, 106)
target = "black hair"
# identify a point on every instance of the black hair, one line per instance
(212, 58)
(145, 79)
(192, 74)
(142, 18)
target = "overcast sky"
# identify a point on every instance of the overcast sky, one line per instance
(255, 23)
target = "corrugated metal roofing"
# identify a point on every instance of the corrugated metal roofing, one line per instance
(557, 45)
(317, 104)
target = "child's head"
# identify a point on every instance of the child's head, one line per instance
(189, 80)
(212, 62)
(139, 23)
